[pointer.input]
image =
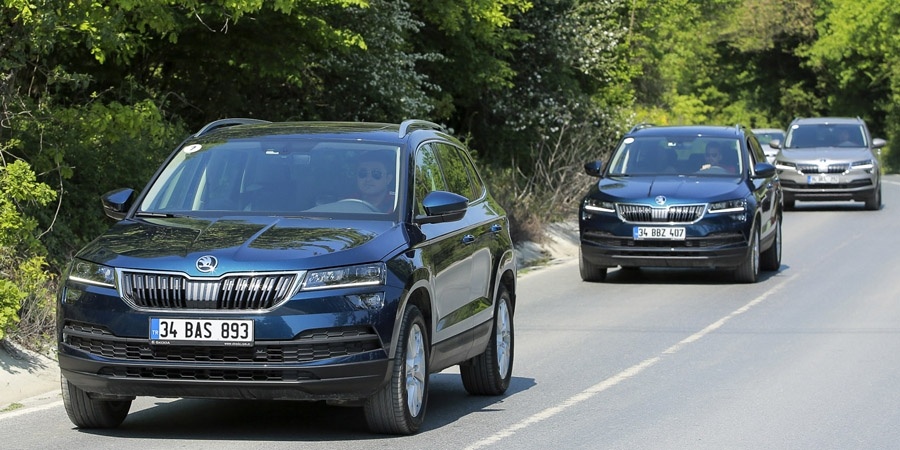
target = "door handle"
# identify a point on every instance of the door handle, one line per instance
(468, 239)
(496, 228)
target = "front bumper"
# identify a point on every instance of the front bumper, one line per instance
(798, 186)
(715, 251)
(313, 348)
(718, 241)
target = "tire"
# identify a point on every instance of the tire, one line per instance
(789, 202)
(399, 407)
(873, 202)
(748, 271)
(590, 272)
(489, 373)
(770, 259)
(86, 412)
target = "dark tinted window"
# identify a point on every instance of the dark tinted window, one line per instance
(456, 171)
(428, 175)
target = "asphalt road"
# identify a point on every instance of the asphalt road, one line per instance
(808, 358)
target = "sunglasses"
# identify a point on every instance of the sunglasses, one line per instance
(375, 173)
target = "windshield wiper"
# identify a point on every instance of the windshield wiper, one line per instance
(155, 214)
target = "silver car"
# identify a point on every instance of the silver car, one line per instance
(766, 135)
(829, 158)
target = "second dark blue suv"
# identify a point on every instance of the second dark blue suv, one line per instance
(683, 196)
(299, 261)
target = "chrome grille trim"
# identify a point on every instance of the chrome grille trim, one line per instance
(236, 292)
(666, 214)
(831, 168)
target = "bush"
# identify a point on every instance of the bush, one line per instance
(21, 253)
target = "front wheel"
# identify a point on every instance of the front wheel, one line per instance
(399, 407)
(771, 258)
(873, 202)
(86, 412)
(590, 272)
(489, 373)
(748, 271)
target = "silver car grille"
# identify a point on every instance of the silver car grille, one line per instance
(831, 168)
(666, 214)
(238, 292)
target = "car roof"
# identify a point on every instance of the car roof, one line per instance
(688, 130)
(826, 120)
(371, 131)
(768, 130)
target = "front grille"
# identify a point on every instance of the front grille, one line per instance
(157, 290)
(308, 346)
(831, 168)
(667, 214)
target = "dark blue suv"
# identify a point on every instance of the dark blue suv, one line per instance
(299, 261)
(683, 196)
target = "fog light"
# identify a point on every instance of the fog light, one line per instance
(367, 301)
(72, 295)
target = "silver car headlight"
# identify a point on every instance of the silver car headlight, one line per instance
(867, 164)
(784, 165)
(87, 272)
(349, 276)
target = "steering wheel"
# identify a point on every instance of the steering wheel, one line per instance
(372, 207)
(713, 169)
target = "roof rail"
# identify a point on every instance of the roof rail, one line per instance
(640, 126)
(227, 123)
(410, 123)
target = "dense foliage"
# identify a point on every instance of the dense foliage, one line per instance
(94, 94)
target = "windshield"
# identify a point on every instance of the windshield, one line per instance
(825, 135)
(677, 155)
(765, 138)
(283, 176)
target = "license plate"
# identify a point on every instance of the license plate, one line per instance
(201, 332)
(663, 233)
(822, 179)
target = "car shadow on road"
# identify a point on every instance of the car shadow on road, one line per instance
(274, 420)
(681, 276)
(801, 207)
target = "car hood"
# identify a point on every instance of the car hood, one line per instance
(243, 243)
(680, 189)
(825, 154)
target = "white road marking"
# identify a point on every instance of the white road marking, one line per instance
(623, 375)
(30, 409)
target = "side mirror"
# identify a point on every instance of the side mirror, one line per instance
(878, 143)
(117, 203)
(775, 143)
(442, 206)
(763, 170)
(593, 168)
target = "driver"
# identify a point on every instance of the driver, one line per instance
(714, 154)
(374, 179)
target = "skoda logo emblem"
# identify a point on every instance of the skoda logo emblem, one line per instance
(660, 200)
(207, 264)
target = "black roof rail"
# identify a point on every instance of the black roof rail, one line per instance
(640, 126)
(410, 123)
(227, 123)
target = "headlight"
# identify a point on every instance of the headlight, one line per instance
(362, 275)
(863, 165)
(784, 165)
(593, 205)
(730, 206)
(89, 273)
